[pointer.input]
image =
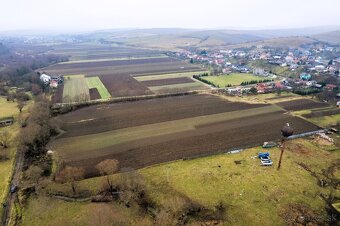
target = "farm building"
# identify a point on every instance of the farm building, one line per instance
(54, 84)
(6, 121)
(45, 78)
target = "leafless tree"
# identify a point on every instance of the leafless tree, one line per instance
(34, 173)
(5, 137)
(71, 175)
(21, 104)
(108, 167)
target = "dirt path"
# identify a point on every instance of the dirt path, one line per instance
(12, 197)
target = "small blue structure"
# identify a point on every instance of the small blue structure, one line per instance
(263, 154)
(305, 76)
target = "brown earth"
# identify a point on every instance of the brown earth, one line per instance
(302, 104)
(58, 95)
(90, 52)
(203, 140)
(94, 94)
(140, 69)
(112, 63)
(168, 81)
(124, 85)
(108, 117)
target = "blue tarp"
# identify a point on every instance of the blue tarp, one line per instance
(263, 154)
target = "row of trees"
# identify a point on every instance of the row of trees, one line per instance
(255, 82)
(201, 78)
(37, 130)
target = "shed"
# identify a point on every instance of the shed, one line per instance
(6, 121)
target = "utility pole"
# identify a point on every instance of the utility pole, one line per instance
(286, 132)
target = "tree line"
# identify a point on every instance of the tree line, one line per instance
(255, 82)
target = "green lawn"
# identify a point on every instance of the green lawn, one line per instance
(326, 121)
(234, 79)
(95, 82)
(255, 195)
(8, 109)
(48, 211)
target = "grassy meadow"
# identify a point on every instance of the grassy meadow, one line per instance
(233, 79)
(95, 82)
(254, 195)
(8, 109)
(75, 89)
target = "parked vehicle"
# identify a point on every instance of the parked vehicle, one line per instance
(13, 189)
(269, 144)
(265, 159)
(266, 163)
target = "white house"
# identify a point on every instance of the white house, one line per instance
(45, 78)
(320, 67)
(258, 71)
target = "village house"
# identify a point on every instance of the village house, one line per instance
(305, 76)
(259, 71)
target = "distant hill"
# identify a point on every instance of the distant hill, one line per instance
(283, 42)
(331, 37)
(173, 38)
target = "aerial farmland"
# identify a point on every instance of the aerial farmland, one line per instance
(148, 132)
(127, 72)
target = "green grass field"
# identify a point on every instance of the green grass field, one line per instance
(234, 79)
(95, 82)
(326, 121)
(48, 211)
(8, 109)
(166, 76)
(254, 195)
(75, 89)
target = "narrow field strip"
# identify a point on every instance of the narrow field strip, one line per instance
(95, 82)
(74, 76)
(75, 89)
(166, 76)
(112, 59)
(176, 86)
(106, 139)
(166, 82)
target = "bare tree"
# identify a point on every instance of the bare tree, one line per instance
(22, 120)
(21, 104)
(34, 173)
(5, 137)
(71, 175)
(108, 167)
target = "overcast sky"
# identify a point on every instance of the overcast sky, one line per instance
(102, 14)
